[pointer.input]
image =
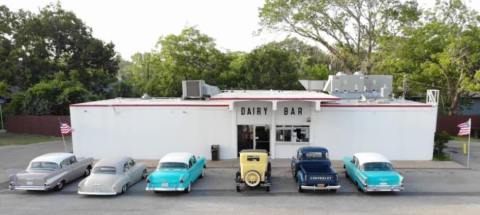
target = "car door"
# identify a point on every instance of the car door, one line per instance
(66, 170)
(293, 165)
(356, 171)
(351, 165)
(136, 171)
(196, 171)
(76, 168)
(127, 173)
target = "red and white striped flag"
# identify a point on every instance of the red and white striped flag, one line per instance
(65, 128)
(464, 128)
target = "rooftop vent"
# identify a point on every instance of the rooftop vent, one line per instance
(146, 96)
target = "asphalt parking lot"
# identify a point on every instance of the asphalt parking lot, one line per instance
(428, 191)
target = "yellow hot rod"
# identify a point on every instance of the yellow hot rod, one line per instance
(255, 170)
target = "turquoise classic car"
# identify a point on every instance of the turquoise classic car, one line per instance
(176, 172)
(372, 172)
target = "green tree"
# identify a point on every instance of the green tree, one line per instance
(349, 30)
(188, 55)
(279, 65)
(51, 97)
(442, 52)
(34, 47)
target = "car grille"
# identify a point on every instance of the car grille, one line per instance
(321, 178)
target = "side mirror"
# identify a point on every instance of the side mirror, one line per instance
(352, 161)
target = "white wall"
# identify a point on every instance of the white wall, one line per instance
(398, 133)
(150, 132)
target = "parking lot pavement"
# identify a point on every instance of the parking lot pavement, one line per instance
(16, 157)
(427, 192)
(455, 149)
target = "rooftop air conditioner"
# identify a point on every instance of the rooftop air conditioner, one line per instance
(192, 89)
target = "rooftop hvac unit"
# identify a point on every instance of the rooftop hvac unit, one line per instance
(197, 89)
(192, 89)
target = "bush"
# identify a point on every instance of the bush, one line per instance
(441, 138)
(51, 97)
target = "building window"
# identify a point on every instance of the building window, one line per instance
(293, 133)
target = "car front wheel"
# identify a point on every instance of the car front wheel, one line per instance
(188, 189)
(300, 190)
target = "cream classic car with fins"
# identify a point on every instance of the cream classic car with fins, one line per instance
(112, 177)
(51, 171)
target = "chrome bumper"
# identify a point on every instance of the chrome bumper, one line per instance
(384, 188)
(97, 193)
(305, 187)
(164, 189)
(39, 188)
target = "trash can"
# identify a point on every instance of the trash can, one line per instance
(215, 152)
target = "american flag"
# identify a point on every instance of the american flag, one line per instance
(464, 128)
(65, 128)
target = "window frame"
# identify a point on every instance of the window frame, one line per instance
(293, 136)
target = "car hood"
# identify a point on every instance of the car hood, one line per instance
(107, 180)
(383, 177)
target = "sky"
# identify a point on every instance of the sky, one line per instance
(136, 25)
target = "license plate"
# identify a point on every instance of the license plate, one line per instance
(165, 184)
(320, 185)
(383, 183)
(29, 182)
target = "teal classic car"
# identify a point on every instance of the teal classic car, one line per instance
(372, 172)
(176, 172)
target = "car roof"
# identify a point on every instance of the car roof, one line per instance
(369, 157)
(312, 149)
(117, 162)
(179, 157)
(56, 157)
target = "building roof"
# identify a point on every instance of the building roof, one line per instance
(369, 157)
(114, 162)
(263, 95)
(52, 157)
(225, 99)
(178, 157)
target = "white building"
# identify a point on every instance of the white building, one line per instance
(279, 121)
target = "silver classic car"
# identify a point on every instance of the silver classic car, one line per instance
(51, 171)
(112, 177)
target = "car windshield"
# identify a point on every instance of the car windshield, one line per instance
(104, 170)
(172, 165)
(316, 155)
(377, 166)
(40, 165)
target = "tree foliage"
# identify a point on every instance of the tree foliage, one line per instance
(194, 55)
(443, 52)
(349, 30)
(34, 47)
(51, 97)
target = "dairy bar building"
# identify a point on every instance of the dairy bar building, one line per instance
(346, 114)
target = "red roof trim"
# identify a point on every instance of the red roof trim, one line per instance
(376, 105)
(149, 105)
(273, 98)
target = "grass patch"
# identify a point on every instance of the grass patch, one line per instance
(465, 138)
(441, 157)
(23, 139)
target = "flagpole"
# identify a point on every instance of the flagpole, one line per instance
(64, 143)
(468, 150)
